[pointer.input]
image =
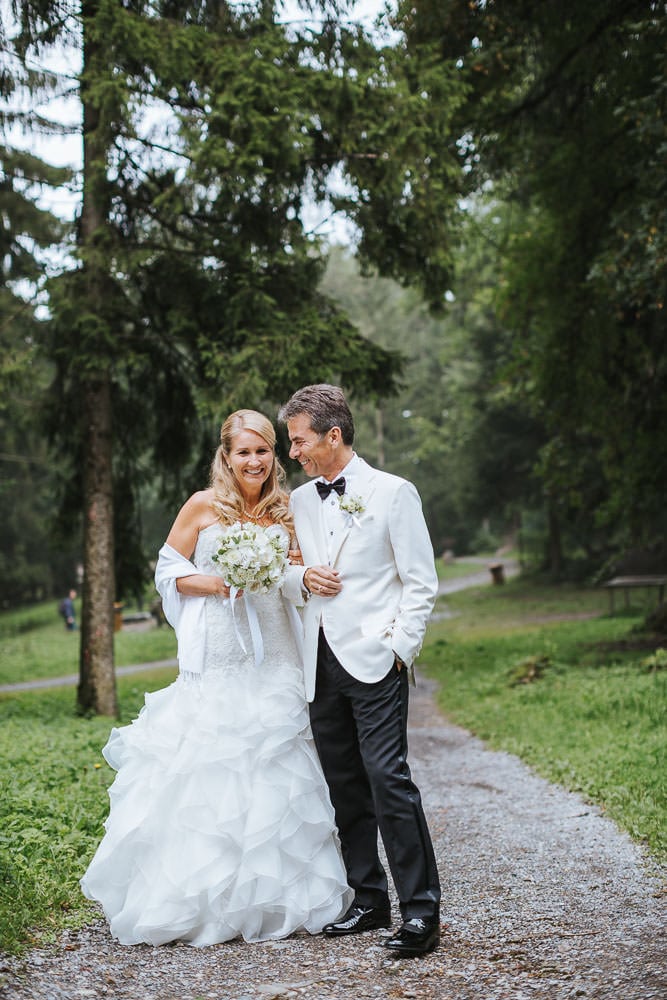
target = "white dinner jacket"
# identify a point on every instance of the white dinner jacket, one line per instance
(385, 560)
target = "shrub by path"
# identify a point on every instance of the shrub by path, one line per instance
(543, 897)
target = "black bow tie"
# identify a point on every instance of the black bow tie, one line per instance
(324, 489)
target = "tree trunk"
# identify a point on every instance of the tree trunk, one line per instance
(97, 681)
(379, 437)
(555, 554)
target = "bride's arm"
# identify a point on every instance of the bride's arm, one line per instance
(201, 586)
(292, 585)
(194, 515)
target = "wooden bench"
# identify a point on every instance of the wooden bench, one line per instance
(628, 583)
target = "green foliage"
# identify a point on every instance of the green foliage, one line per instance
(564, 126)
(529, 669)
(657, 661)
(454, 427)
(34, 562)
(53, 802)
(30, 566)
(594, 721)
(27, 229)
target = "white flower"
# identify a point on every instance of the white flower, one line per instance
(250, 558)
(351, 504)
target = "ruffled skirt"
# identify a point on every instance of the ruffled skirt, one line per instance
(220, 823)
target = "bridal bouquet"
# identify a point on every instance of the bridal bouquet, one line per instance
(250, 558)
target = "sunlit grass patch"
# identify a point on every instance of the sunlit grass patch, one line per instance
(591, 717)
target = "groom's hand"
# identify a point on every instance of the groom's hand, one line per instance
(323, 581)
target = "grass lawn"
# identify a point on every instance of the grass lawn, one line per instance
(527, 670)
(34, 644)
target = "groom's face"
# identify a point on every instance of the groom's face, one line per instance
(316, 453)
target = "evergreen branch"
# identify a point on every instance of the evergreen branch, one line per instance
(192, 253)
(346, 21)
(23, 459)
(34, 68)
(46, 125)
(34, 38)
(33, 178)
(12, 316)
(324, 221)
(553, 77)
(150, 144)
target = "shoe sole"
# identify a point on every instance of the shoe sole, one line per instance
(356, 930)
(411, 952)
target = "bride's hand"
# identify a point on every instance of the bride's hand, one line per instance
(295, 557)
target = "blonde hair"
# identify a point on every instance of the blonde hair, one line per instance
(228, 501)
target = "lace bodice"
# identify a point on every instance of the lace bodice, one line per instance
(223, 650)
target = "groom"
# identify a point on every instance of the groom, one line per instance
(371, 583)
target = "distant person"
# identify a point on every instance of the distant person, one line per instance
(68, 612)
(221, 824)
(370, 574)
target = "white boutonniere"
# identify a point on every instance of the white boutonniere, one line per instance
(351, 504)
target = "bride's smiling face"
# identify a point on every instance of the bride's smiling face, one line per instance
(251, 461)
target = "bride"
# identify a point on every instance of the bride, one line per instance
(220, 823)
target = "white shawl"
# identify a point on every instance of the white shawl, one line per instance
(185, 614)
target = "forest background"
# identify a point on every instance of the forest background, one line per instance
(497, 314)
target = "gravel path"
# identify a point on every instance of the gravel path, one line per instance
(478, 579)
(542, 898)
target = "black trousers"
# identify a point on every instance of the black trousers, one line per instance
(360, 731)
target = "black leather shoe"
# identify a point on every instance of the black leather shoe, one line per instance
(358, 919)
(416, 937)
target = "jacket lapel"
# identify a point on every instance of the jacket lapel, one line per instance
(365, 487)
(313, 511)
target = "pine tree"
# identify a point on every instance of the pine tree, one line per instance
(205, 130)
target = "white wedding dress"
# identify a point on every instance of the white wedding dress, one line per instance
(220, 823)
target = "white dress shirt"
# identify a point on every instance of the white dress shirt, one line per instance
(333, 519)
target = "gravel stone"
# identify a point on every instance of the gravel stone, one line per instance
(543, 899)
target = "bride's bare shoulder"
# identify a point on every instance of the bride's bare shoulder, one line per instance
(201, 506)
(198, 510)
(196, 514)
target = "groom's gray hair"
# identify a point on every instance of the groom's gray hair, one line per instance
(325, 405)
